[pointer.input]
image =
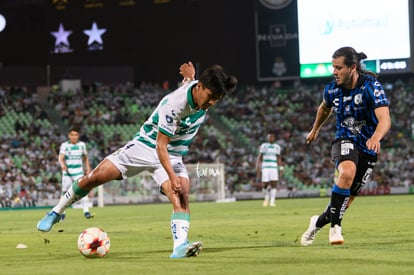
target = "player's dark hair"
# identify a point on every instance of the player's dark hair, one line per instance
(73, 129)
(215, 79)
(351, 57)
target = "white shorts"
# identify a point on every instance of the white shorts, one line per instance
(136, 157)
(67, 182)
(270, 175)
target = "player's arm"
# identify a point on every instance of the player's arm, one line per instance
(62, 163)
(322, 115)
(384, 125)
(187, 70)
(259, 164)
(280, 162)
(86, 164)
(162, 152)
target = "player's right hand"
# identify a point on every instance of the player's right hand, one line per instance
(312, 135)
(176, 185)
(187, 70)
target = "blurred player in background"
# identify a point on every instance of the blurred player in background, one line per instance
(74, 162)
(158, 148)
(362, 121)
(268, 163)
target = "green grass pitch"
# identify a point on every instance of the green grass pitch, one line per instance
(239, 238)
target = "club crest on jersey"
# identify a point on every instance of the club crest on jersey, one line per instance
(358, 99)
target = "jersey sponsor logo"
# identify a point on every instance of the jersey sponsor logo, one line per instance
(72, 157)
(353, 125)
(330, 91)
(381, 100)
(169, 119)
(166, 127)
(378, 93)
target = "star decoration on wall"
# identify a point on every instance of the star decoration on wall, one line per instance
(61, 35)
(94, 34)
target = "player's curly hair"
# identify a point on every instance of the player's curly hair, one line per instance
(351, 57)
(215, 79)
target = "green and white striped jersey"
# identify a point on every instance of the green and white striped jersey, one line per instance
(175, 116)
(270, 152)
(73, 157)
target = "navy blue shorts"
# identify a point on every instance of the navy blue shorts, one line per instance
(343, 149)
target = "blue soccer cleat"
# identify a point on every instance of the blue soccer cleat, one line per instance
(88, 215)
(48, 221)
(187, 249)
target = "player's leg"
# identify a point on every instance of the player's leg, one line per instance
(272, 194)
(86, 204)
(66, 183)
(345, 155)
(266, 193)
(266, 186)
(274, 178)
(365, 167)
(364, 170)
(180, 220)
(104, 172)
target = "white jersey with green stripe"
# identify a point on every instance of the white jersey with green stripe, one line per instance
(73, 157)
(176, 116)
(270, 152)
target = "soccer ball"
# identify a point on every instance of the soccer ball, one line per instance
(93, 242)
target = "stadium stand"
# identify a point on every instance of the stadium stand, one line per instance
(31, 129)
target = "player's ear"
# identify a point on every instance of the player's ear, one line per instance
(353, 67)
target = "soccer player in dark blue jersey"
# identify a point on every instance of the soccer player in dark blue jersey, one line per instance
(362, 121)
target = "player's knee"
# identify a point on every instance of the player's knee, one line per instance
(346, 176)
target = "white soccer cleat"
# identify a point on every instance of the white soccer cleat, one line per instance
(187, 249)
(335, 235)
(309, 236)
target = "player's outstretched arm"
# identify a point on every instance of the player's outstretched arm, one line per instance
(187, 70)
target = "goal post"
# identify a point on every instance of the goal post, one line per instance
(207, 180)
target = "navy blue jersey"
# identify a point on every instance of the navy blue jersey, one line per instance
(355, 109)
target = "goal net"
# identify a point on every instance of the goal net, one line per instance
(207, 184)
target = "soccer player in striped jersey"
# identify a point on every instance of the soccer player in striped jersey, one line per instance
(158, 148)
(268, 163)
(362, 120)
(74, 162)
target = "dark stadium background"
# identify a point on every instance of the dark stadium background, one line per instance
(151, 38)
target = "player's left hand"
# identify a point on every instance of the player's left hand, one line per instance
(374, 145)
